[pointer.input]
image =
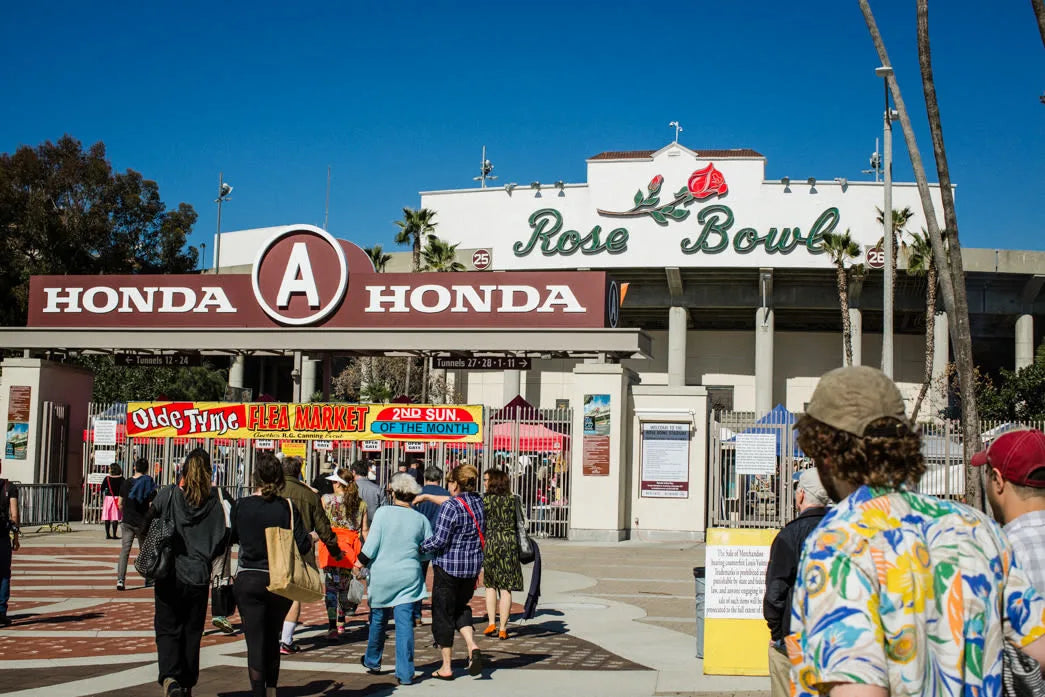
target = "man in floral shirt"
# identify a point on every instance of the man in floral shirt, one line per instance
(898, 593)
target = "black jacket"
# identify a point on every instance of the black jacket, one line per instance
(200, 533)
(784, 556)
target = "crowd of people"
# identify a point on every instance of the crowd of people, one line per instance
(876, 589)
(381, 543)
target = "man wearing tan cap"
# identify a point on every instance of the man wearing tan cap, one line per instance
(811, 500)
(1016, 490)
(898, 592)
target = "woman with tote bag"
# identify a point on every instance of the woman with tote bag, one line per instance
(261, 610)
(199, 536)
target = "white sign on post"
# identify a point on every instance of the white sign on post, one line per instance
(756, 453)
(412, 447)
(736, 581)
(322, 445)
(371, 446)
(96, 477)
(264, 444)
(104, 458)
(104, 432)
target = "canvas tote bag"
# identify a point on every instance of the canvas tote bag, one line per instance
(292, 574)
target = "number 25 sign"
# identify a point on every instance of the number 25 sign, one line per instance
(481, 259)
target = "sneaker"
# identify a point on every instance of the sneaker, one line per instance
(5, 621)
(287, 649)
(342, 628)
(372, 671)
(333, 635)
(224, 625)
(119, 585)
(171, 688)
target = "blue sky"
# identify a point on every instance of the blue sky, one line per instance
(399, 97)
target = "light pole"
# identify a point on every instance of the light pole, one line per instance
(223, 195)
(885, 72)
(203, 257)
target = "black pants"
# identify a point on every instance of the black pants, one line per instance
(262, 614)
(450, 608)
(180, 612)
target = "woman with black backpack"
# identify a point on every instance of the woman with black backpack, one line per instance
(182, 588)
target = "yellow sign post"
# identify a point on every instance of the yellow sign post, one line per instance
(736, 638)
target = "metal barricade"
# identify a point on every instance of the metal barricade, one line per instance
(44, 506)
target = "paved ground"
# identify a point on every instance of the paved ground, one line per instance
(614, 619)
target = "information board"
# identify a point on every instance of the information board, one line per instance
(756, 453)
(665, 460)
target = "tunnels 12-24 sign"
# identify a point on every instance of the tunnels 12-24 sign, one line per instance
(270, 420)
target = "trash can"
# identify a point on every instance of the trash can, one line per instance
(698, 578)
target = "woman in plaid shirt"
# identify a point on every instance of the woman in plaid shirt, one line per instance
(457, 544)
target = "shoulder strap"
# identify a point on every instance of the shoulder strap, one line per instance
(108, 482)
(482, 539)
(291, 505)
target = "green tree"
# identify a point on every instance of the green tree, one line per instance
(1019, 395)
(920, 262)
(378, 257)
(900, 220)
(114, 383)
(841, 248)
(415, 229)
(440, 255)
(63, 210)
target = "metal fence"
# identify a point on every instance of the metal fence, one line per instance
(759, 491)
(44, 506)
(532, 445)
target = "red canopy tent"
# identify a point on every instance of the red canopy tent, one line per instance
(532, 438)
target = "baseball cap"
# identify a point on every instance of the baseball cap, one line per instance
(335, 478)
(809, 482)
(850, 398)
(1017, 455)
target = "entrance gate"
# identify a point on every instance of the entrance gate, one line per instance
(531, 445)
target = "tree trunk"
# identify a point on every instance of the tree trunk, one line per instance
(953, 252)
(1039, 12)
(930, 339)
(417, 252)
(409, 366)
(843, 301)
(954, 299)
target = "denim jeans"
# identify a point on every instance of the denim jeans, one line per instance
(5, 571)
(404, 619)
(424, 576)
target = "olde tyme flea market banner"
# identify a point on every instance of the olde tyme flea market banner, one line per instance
(268, 420)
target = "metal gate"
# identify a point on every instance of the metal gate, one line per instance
(758, 494)
(531, 445)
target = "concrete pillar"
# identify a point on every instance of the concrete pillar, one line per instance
(856, 330)
(941, 357)
(599, 501)
(764, 328)
(1024, 341)
(677, 346)
(309, 368)
(236, 371)
(512, 385)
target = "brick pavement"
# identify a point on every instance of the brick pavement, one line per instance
(75, 634)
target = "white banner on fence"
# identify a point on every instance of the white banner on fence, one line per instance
(323, 445)
(96, 477)
(104, 432)
(104, 458)
(411, 447)
(756, 453)
(264, 444)
(371, 446)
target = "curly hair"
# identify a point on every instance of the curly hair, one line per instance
(888, 455)
(351, 499)
(498, 483)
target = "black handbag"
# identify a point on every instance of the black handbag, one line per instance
(222, 599)
(156, 552)
(526, 552)
(1021, 674)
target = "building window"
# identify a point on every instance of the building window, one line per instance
(720, 398)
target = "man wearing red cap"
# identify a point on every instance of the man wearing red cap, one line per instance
(1015, 472)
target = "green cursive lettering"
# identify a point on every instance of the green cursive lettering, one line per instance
(827, 222)
(713, 223)
(745, 241)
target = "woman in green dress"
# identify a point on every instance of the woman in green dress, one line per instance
(502, 571)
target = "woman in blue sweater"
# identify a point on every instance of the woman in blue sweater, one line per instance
(392, 553)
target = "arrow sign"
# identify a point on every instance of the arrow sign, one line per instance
(482, 363)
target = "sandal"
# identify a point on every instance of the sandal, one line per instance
(490, 630)
(475, 666)
(502, 635)
(439, 676)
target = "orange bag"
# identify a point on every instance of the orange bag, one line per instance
(350, 544)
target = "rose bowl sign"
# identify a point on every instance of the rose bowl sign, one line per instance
(302, 276)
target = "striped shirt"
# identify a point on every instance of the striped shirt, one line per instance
(455, 541)
(1027, 534)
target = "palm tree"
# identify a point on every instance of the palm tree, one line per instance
(415, 229)
(378, 257)
(920, 262)
(841, 248)
(948, 258)
(900, 220)
(440, 255)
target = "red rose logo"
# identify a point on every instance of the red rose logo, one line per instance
(654, 184)
(707, 182)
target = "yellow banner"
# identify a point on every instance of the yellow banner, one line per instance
(273, 420)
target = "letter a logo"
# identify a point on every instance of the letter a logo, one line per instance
(300, 275)
(298, 265)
